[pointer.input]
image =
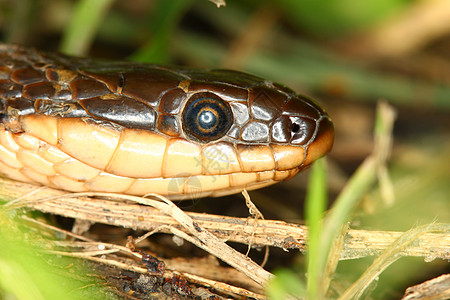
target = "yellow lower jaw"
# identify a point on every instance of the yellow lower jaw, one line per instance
(27, 158)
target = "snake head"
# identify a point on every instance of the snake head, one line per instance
(272, 128)
(84, 125)
(297, 128)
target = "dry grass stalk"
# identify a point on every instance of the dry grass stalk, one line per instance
(163, 216)
(358, 243)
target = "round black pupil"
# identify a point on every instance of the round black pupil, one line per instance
(207, 119)
(295, 127)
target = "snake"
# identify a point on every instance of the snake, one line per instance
(89, 125)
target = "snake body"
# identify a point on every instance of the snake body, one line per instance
(85, 125)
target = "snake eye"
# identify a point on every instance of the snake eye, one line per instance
(206, 117)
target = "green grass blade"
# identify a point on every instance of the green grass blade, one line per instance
(359, 185)
(27, 272)
(285, 285)
(80, 31)
(166, 17)
(315, 206)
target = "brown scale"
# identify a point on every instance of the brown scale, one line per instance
(83, 125)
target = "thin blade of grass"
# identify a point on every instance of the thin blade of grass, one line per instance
(358, 185)
(80, 31)
(166, 17)
(315, 206)
(285, 285)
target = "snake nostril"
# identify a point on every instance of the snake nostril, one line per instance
(302, 129)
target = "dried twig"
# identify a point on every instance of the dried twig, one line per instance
(436, 288)
(358, 243)
(218, 3)
(392, 254)
(201, 271)
(193, 232)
